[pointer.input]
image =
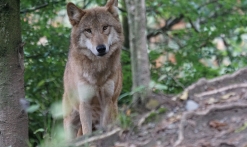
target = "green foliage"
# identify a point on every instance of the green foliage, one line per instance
(194, 46)
(44, 64)
(130, 94)
(124, 121)
(127, 77)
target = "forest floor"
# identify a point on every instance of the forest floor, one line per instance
(209, 113)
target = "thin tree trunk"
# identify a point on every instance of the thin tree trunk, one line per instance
(13, 119)
(125, 27)
(138, 46)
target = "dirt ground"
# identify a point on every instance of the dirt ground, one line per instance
(209, 113)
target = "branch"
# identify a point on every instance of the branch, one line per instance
(54, 2)
(85, 5)
(34, 8)
(175, 21)
(122, 10)
(38, 7)
(227, 48)
(193, 26)
(169, 24)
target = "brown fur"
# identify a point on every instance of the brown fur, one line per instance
(92, 83)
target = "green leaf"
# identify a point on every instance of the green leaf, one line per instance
(41, 83)
(242, 128)
(56, 110)
(33, 108)
(157, 86)
(39, 130)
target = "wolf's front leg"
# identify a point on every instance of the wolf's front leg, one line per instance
(109, 106)
(86, 117)
(109, 114)
(86, 94)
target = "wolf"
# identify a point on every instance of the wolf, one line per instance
(93, 74)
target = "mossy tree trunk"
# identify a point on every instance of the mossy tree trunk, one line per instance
(13, 119)
(138, 46)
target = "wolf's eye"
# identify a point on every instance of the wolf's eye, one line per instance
(105, 27)
(88, 30)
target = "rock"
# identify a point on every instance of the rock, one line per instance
(191, 105)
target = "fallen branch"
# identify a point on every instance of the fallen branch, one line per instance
(143, 119)
(221, 90)
(96, 138)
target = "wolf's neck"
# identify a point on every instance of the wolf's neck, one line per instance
(96, 68)
(103, 64)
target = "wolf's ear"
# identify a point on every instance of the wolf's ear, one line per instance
(74, 13)
(111, 6)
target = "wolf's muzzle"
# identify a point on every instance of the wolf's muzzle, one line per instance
(101, 50)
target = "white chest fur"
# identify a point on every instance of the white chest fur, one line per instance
(86, 91)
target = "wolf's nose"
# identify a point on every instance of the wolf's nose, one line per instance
(101, 49)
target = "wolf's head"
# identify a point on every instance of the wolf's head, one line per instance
(95, 30)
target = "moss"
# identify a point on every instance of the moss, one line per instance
(155, 116)
(152, 117)
(162, 110)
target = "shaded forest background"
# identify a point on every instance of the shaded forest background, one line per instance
(187, 40)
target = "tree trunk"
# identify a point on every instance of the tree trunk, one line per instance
(138, 47)
(13, 119)
(125, 27)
